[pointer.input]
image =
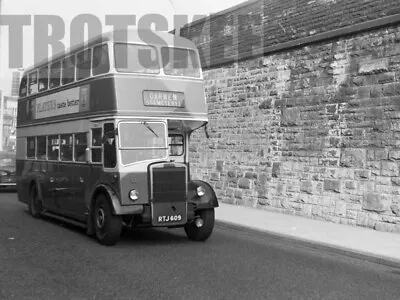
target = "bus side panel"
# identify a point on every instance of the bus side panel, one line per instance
(81, 177)
(97, 177)
(22, 188)
(71, 181)
(31, 172)
(22, 180)
(74, 184)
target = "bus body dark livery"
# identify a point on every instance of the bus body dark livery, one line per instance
(103, 133)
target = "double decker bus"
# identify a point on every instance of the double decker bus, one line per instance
(103, 133)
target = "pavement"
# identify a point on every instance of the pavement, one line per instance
(357, 242)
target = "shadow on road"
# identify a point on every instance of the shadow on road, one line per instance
(153, 236)
(142, 236)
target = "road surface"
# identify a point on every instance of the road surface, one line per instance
(45, 259)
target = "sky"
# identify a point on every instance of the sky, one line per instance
(99, 8)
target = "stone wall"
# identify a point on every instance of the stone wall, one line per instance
(309, 128)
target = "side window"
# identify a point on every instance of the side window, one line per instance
(96, 145)
(101, 63)
(33, 83)
(43, 79)
(30, 147)
(80, 146)
(66, 147)
(83, 64)
(175, 142)
(22, 87)
(55, 74)
(110, 152)
(41, 147)
(68, 70)
(53, 147)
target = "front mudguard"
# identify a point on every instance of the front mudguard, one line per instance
(117, 208)
(209, 200)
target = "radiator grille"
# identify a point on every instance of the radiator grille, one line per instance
(169, 184)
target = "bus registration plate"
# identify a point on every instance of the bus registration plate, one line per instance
(166, 214)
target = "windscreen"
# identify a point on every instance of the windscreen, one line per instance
(142, 141)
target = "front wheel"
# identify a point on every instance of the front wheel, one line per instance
(201, 233)
(35, 205)
(107, 226)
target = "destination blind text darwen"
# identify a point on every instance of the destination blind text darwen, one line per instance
(163, 96)
(163, 99)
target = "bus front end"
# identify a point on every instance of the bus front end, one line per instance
(154, 175)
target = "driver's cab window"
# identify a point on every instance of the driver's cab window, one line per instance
(110, 152)
(175, 142)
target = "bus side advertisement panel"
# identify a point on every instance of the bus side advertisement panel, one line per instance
(69, 101)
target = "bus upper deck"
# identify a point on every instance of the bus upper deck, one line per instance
(144, 73)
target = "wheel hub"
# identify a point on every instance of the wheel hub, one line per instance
(100, 217)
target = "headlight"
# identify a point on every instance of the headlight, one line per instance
(200, 191)
(134, 195)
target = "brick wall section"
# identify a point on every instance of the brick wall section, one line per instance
(312, 131)
(250, 28)
(286, 20)
(219, 39)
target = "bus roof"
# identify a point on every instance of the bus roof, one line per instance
(143, 36)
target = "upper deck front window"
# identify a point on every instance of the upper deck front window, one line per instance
(180, 62)
(131, 58)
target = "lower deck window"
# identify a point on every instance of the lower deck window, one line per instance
(66, 147)
(53, 147)
(41, 147)
(30, 147)
(80, 147)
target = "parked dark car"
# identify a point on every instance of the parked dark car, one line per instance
(7, 170)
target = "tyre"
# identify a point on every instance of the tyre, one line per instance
(35, 204)
(107, 226)
(201, 233)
